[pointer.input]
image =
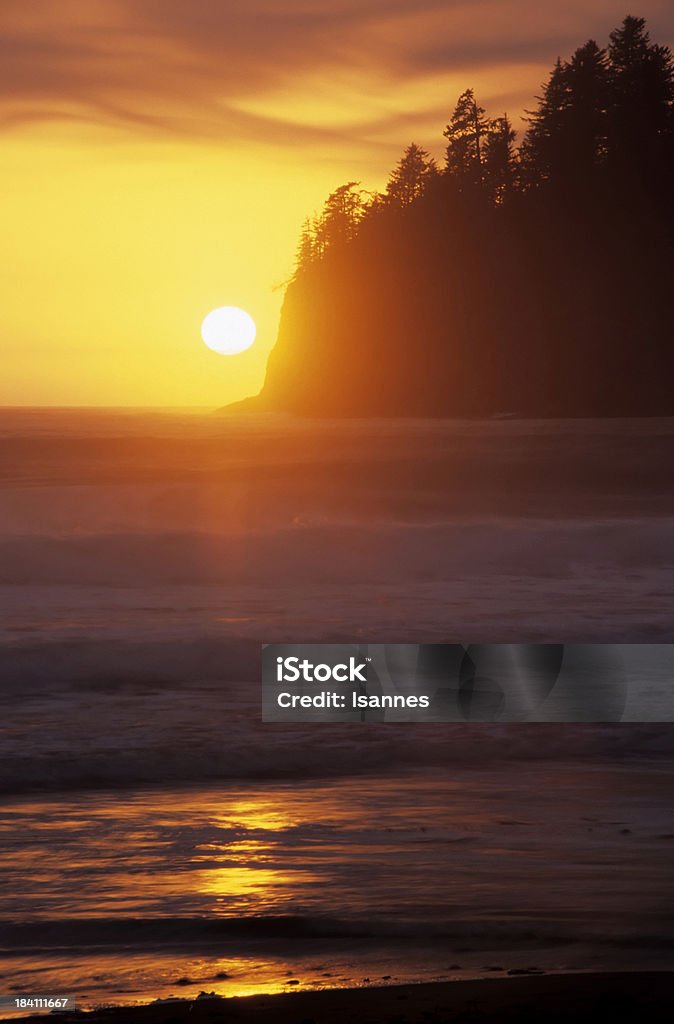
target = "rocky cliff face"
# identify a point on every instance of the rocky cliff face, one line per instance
(453, 309)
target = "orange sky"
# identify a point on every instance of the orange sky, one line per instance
(159, 157)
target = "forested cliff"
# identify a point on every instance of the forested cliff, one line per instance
(532, 280)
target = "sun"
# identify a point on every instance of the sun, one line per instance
(228, 330)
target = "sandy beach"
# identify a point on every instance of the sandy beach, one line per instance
(629, 996)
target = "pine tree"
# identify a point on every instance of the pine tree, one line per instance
(499, 162)
(641, 107)
(411, 176)
(566, 139)
(342, 213)
(306, 247)
(465, 136)
(587, 113)
(540, 153)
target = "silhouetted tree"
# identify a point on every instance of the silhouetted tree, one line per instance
(411, 176)
(566, 140)
(340, 218)
(542, 148)
(306, 247)
(499, 159)
(465, 134)
(641, 107)
(586, 116)
(374, 204)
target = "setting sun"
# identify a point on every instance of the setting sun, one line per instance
(228, 330)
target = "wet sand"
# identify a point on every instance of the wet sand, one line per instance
(549, 999)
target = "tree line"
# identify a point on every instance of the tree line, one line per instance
(605, 113)
(523, 276)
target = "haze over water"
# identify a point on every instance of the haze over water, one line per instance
(144, 557)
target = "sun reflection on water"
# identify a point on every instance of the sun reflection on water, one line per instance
(238, 874)
(247, 889)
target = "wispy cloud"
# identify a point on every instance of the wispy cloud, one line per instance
(299, 71)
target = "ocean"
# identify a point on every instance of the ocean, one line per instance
(157, 839)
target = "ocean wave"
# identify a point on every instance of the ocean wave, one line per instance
(150, 737)
(308, 550)
(90, 935)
